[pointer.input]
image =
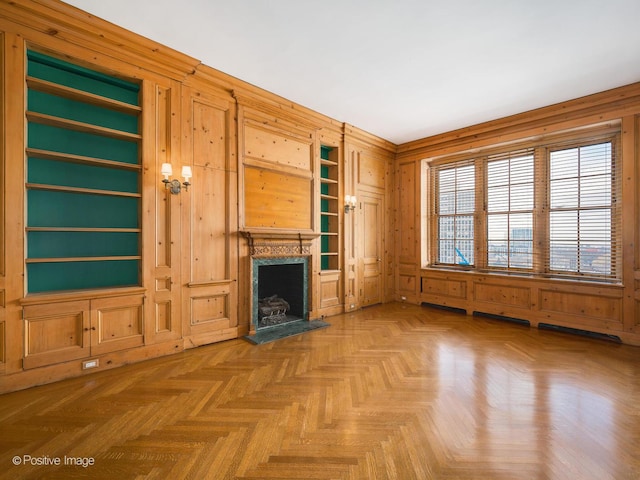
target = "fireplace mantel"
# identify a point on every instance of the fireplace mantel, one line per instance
(270, 243)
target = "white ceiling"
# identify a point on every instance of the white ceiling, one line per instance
(402, 69)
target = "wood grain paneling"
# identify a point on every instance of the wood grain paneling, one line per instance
(276, 200)
(371, 171)
(3, 336)
(209, 270)
(116, 324)
(330, 289)
(445, 287)
(277, 147)
(596, 307)
(163, 202)
(209, 257)
(407, 283)
(406, 212)
(502, 294)
(163, 318)
(56, 333)
(162, 242)
(209, 309)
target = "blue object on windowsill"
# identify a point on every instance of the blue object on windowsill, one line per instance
(463, 260)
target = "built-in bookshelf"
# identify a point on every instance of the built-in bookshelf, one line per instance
(83, 178)
(329, 209)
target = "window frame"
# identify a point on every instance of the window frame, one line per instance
(541, 149)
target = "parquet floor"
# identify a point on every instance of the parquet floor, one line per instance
(390, 392)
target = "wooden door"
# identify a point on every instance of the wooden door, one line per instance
(370, 233)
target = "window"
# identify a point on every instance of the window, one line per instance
(581, 209)
(455, 208)
(546, 209)
(510, 210)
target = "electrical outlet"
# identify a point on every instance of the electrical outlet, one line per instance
(89, 364)
(353, 305)
(403, 298)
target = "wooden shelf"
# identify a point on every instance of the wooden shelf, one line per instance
(329, 163)
(82, 259)
(67, 124)
(88, 191)
(81, 96)
(83, 230)
(328, 180)
(62, 255)
(71, 158)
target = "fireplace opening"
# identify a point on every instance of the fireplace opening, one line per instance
(280, 291)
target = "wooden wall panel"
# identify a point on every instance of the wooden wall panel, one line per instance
(209, 220)
(502, 294)
(164, 320)
(588, 307)
(210, 257)
(277, 147)
(445, 287)
(209, 136)
(3, 329)
(209, 193)
(3, 350)
(209, 308)
(407, 283)
(372, 171)
(163, 150)
(161, 244)
(406, 212)
(276, 200)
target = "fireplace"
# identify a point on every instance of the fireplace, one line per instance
(280, 290)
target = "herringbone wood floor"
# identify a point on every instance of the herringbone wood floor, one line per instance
(393, 391)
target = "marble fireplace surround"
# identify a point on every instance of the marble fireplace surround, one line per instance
(290, 253)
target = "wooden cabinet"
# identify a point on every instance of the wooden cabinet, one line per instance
(60, 332)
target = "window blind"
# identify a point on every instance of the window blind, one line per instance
(454, 203)
(510, 202)
(584, 222)
(549, 209)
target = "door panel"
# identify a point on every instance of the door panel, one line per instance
(371, 228)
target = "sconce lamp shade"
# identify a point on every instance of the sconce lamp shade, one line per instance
(186, 172)
(166, 170)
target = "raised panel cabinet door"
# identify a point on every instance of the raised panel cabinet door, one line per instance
(56, 333)
(116, 323)
(370, 232)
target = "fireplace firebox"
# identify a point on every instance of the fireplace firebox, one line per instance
(280, 286)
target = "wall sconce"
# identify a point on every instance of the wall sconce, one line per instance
(349, 203)
(174, 185)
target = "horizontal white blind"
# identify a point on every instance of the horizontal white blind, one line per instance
(453, 198)
(550, 209)
(510, 203)
(584, 219)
